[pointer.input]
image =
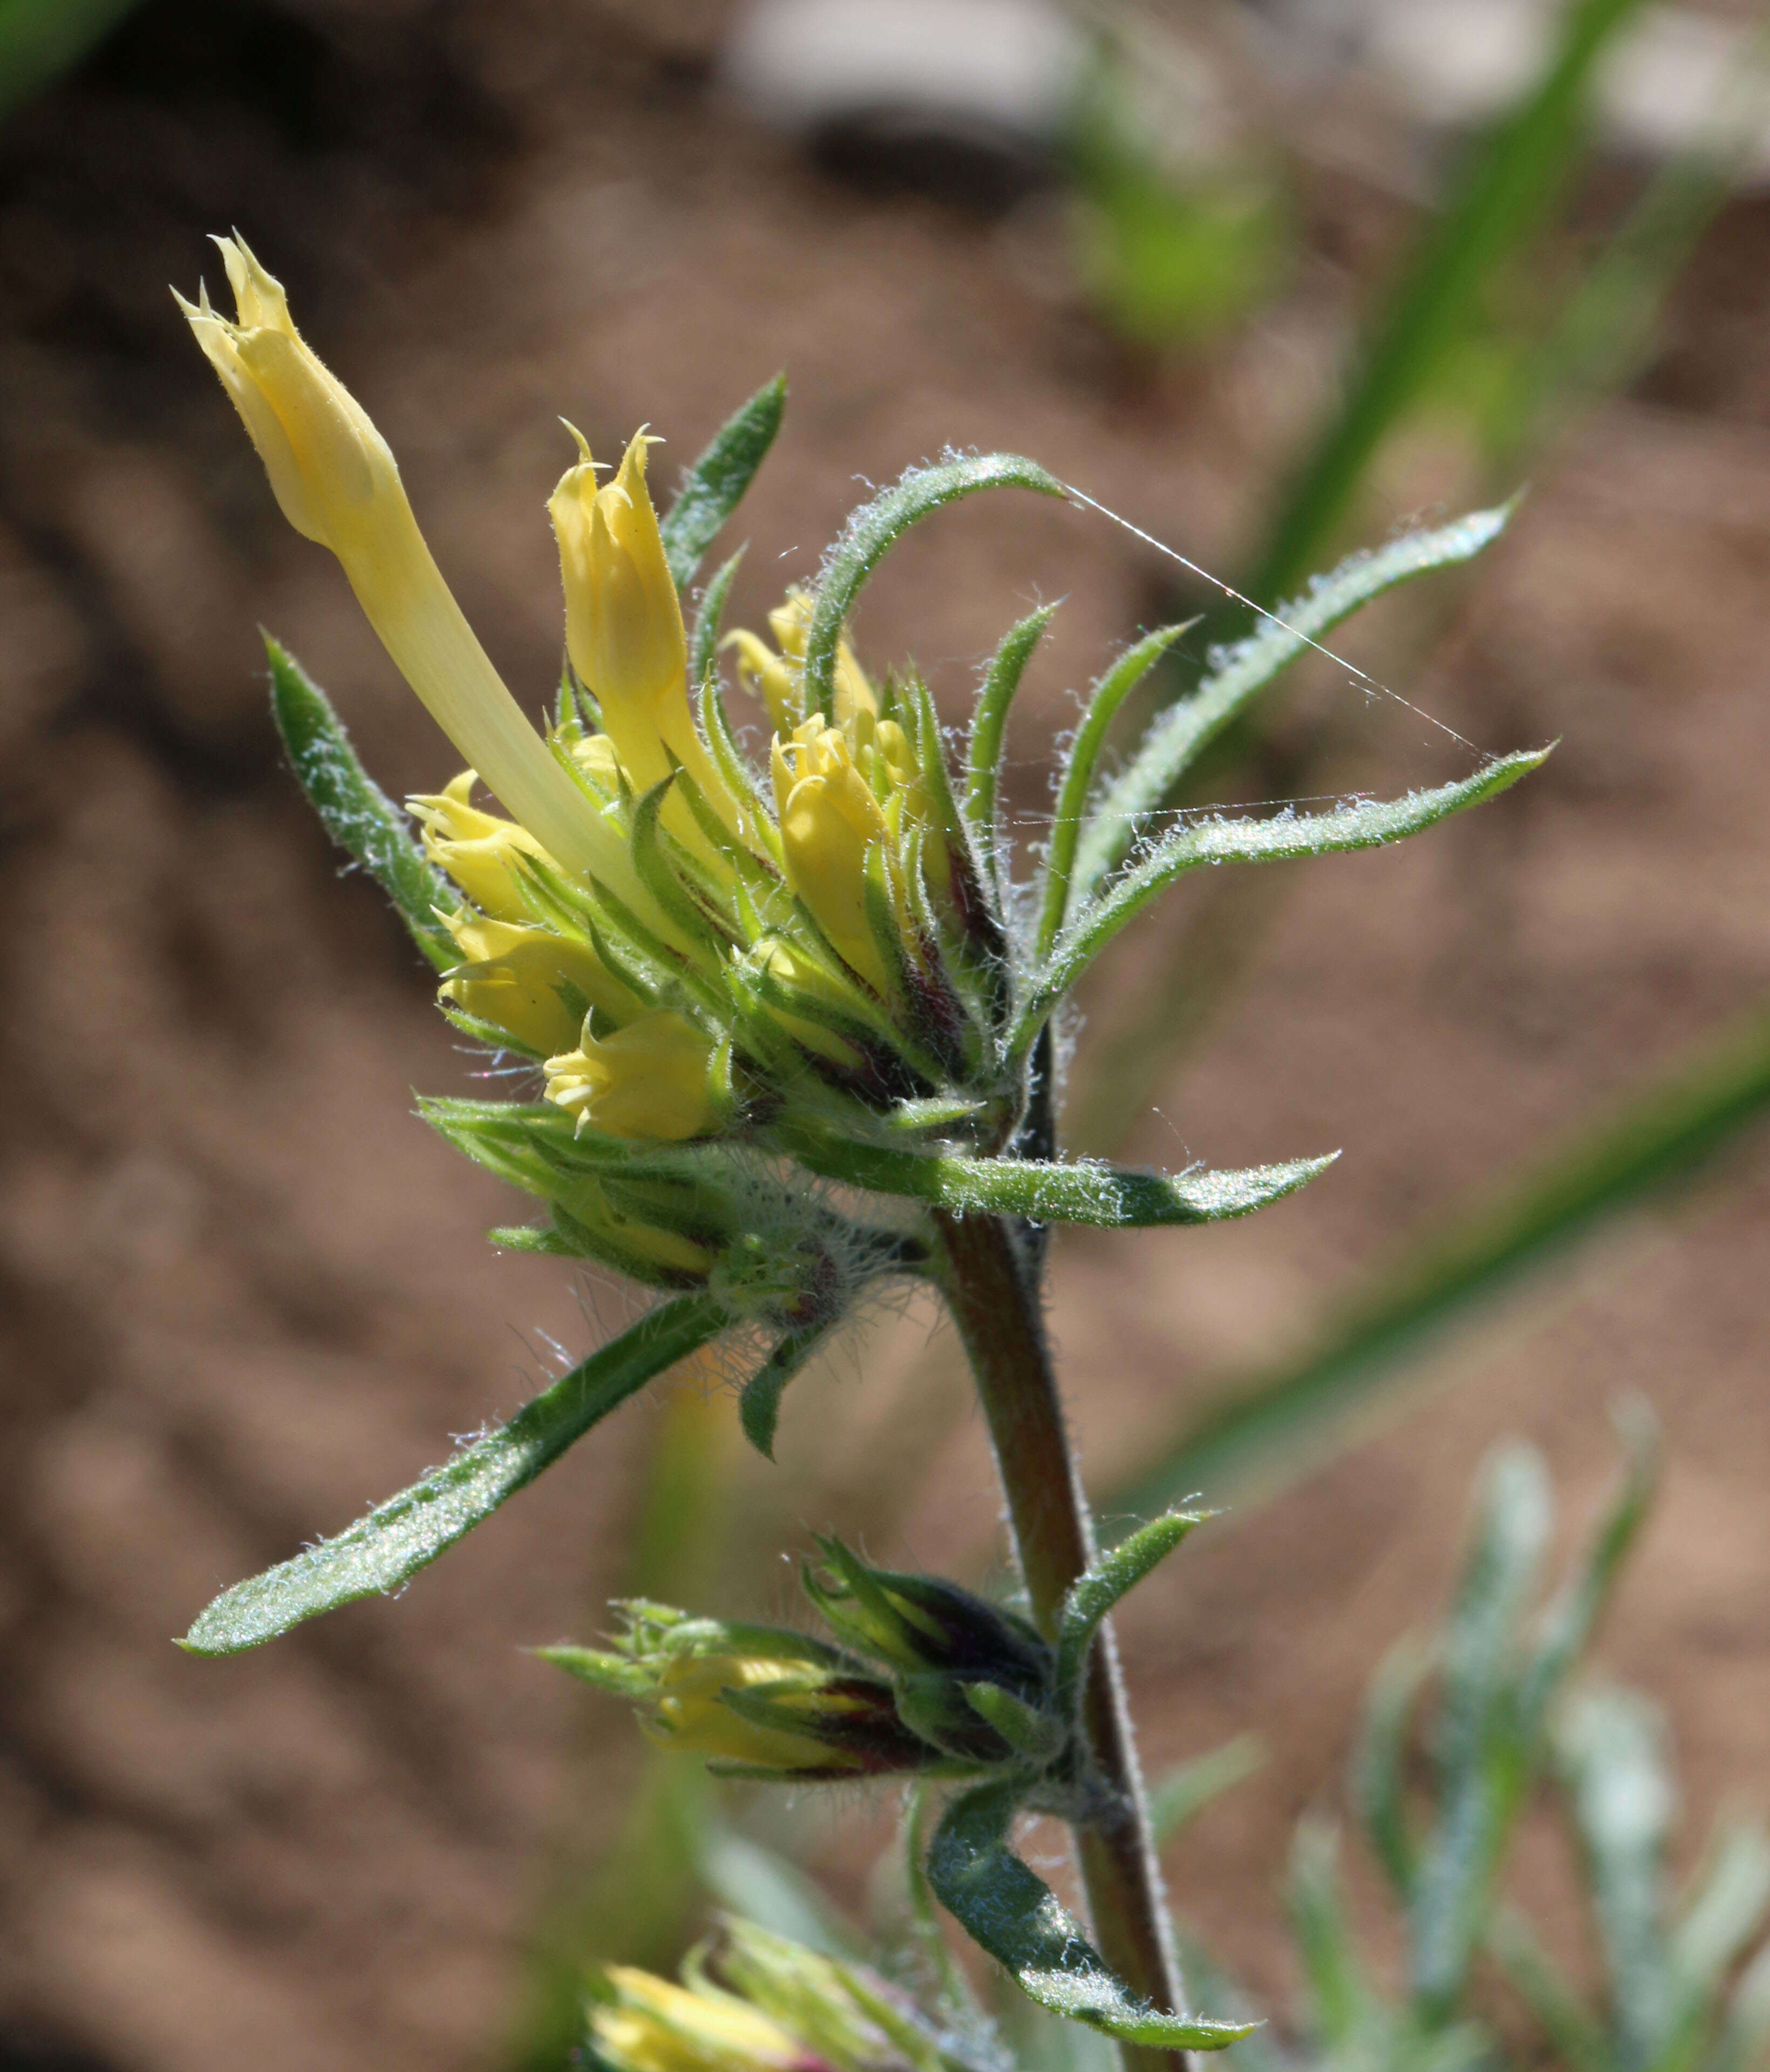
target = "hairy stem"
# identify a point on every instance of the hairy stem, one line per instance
(991, 1284)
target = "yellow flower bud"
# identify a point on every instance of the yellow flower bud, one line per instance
(776, 679)
(480, 852)
(623, 631)
(829, 820)
(335, 480)
(651, 1079)
(653, 2026)
(521, 980)
(790, 969)
(690, 1716)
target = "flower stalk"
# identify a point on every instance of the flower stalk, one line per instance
(990, 1277)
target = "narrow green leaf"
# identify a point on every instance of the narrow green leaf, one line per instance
(989, 725)
(1378, 1781)
(1109, 1197)
(354, 810)
(1015, 1916)
(1176, 740)
(710, 620)
(1341, 2000)
(759, 1407)
(1610, 1747)
(714, 486)
(1568, 1624)
(1180, 1794)
(1260, 1433)
(1092, 1596)
(1517, 1944)
(387, 1547)
(1079, 765)
(1508, 189)
(1286, 837)
(1723, 1912)
(879, 525)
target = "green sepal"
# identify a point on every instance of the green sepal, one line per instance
(989, 725)
(1011, 1913)
(386, 1549)
(620, 1676)
(656, 873)
(1080, 764)
(1365, 824)
(759, 1407)
(734, 767)
(714, 486)
(1176, 741)
(709, 619)
(1107, 1197)
(1028, 1731)
(879, 525)
(1091, 1597)
(355, 810)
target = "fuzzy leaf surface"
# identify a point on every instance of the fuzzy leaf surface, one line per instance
(714, 486)
(1109, 1197)
(355, 810)
(1093, 1596)
(1175, 740)
(1285, 837)
(877, 526)
(1009, 1911)
(390, 1545)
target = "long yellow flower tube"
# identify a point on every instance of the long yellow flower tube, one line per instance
(335, 477)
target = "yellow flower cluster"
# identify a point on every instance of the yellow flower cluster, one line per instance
(803, 894)
(651, 2025)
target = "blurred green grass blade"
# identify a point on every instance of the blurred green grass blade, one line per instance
(40, 39)
(1340, 1995)
(1605, 332)
(1517, 1944)
(1378, 1779)
(390, 1545)
(747, 1878)
(1178, 1797)
(1724, 1911)
(1265, 1433)
(1509, 189)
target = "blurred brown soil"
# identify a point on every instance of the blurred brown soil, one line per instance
(246, 1293)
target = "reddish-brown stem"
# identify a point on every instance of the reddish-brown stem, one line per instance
(991, 1285)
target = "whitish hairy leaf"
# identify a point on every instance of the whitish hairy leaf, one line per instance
(1285, 837)
(1109, 1197)
(879, 525)
(355, 810)
(389, 1547)
(1173, 744)
(1093, 1595)
(1013, 1914)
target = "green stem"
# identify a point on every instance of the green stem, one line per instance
(992, 1287)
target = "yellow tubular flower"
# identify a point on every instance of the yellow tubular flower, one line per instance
(768, 677)
(654, 2026)
(336, 481)
(624, 630)
(521, 980)
(651, 1079)
(829, 820)
(691, 1716)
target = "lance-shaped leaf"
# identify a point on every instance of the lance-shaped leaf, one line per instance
(1378, 1780)
(1109, 1197)
(879, 525)
(1365, 824)
(759, 1408)
(1093, 1596)
(1079, 765)
(1175, 742)
(1179, 1795)
(989, 725)
(1013, 1914)
(387, 1547)
(710, 620)
(355, 810)
(714, 486)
